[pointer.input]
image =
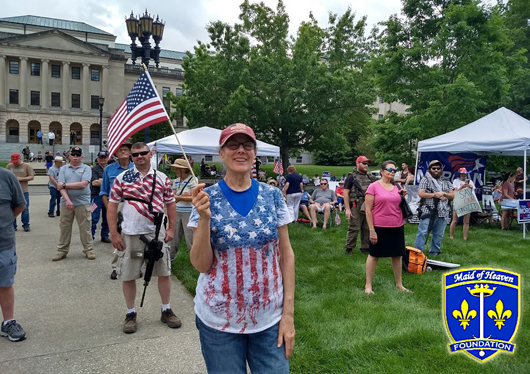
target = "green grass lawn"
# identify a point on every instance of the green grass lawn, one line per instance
(340, 329)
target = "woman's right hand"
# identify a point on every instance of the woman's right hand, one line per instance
(201, 201)
(373, 237)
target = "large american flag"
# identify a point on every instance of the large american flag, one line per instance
(141, 108)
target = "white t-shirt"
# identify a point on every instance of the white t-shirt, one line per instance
(51, 135)
(458, 182)
(184, 187)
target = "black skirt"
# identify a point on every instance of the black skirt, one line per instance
(390, 242)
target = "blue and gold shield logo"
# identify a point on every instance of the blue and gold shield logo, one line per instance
(482, 308)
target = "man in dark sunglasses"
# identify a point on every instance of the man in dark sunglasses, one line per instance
(434, 207)
(354, 188)
(74, 187)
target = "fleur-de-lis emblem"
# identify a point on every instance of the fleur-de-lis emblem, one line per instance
(500, 315)
(464, 315)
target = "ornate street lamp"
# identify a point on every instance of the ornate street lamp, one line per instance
(101, 102)
(144, 28)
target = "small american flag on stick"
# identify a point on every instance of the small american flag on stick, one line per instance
(278, 167)
(141, 108)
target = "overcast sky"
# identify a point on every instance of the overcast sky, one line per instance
(186, 19)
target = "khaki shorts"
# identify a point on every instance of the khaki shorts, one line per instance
(129, 268)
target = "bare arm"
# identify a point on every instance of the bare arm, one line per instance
(52, 178)
(17, 210)
(75, 185)
(201, 254)
(171, 211)
(112, 218)
(346, 194)
(286, 331)
(284, 191)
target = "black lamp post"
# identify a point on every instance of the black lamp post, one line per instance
(144, 28)
(101, 102)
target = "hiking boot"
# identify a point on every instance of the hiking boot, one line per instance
(113, 275)
(129, 326)
(59, 256)
(170, 319)
(13, 331)
(348, 251)
(106, 240)
(58, 214)
(51, 215)
(90, 255)
(26, 229)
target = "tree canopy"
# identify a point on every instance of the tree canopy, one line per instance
(297, 92)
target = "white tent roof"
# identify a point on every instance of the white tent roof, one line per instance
(203, 141)
(502, 132)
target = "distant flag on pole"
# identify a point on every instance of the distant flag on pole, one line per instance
(141, 108)
(278, 168)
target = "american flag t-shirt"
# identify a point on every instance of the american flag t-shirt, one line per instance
(141, 108)
(243, 290)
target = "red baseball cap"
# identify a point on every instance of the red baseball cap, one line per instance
(15, 157)
(362, 159)
(236, 128)
(462, 171)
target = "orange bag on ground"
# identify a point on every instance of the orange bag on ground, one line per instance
(414, 261)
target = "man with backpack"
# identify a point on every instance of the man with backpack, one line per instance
(435, 194)
(354, 189)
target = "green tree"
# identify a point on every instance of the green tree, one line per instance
(293, 91)
(450, 61)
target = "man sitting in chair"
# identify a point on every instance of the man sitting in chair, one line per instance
(322, 201)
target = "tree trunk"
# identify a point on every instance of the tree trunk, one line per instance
(284, 154)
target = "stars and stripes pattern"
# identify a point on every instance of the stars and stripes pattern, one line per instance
(243, 291)
(141, 108)
(278, 167)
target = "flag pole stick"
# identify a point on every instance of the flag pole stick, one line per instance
(176, 136)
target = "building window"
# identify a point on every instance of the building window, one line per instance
(56, 99)
(56, 71)
(76, 72)
(165, 90)
(94, 75)
(380, 116)
(299, 160)
(13, 96)
(13, 131)
(35, 97)
(208, 158)
(94, 102)
(13, 67)
(76, 101)
(35, 68)
(381, 101)
(179, 92)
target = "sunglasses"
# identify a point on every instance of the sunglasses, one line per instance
(234, 146)
(75, 155)
(364, 163)
(323, 184)
(143, 153)
(390, 170)
(436, 168)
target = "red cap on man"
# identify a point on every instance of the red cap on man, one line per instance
(15, 157)
(362, 159)
(236, 128)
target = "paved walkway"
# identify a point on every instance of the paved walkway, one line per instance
(72, 312)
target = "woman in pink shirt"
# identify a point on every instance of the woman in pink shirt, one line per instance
(386, 224)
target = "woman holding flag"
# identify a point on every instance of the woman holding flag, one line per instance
(244, 302)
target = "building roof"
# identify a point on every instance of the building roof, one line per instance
(55, 23)
(174, 55)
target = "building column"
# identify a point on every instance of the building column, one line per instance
(86, 88)
(22, 97)
(66, 86)
(105, 86)
(44, 94)
(3, 79)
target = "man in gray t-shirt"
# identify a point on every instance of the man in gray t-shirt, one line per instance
(322, 201)
(73, 185)
(12, 203)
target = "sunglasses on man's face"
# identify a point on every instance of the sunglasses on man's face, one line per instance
(436, 168)
(364, 163)
(75, 155)
(390, 170)
(143, 153)
(323, 184)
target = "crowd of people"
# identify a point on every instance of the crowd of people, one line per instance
(236, 232)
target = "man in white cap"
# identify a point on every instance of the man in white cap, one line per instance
(55, 196)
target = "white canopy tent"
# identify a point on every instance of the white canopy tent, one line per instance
(502, 132)
(203, 141)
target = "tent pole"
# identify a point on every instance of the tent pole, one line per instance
(416, 171)
(524, 190)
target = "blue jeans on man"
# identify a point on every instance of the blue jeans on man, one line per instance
(226, 352)
(55, 201)
(24, 217)
(99, 210)
(438, 230)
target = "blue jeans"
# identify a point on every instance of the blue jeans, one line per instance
(25, 214)
(438, 230)
(100, 209)
(55, 200)
(226, 352)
